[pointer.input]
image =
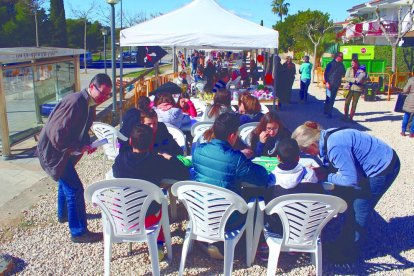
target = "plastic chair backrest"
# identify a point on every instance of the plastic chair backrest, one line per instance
(124, 203)
(208, 206)
(265, 109)
(199, 106)
(102, 131)
(304, 216)
(200, 127)
(178, 136)
(245, 130)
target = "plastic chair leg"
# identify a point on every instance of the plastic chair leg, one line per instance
(107, 255)
(274, 252)
(166, 231)
(229, 246)
(173, 205)
(249, 245)
(256, 237)
(153, 252)
(318, 260)
(184, 252)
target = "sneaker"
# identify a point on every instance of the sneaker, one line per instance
(161, 254)
(87, 237)
(214, 252)
(263, 252)
(63, 220)
(402, 133)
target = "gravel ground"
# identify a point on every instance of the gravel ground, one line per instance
(41, 246)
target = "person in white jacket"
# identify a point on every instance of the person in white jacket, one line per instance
(290, 178)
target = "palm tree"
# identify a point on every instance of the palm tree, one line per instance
(280, 8)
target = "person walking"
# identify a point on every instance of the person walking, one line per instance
(334, 72)
(356, 75)
(408, 107)
(288, 77)
(62, 142)
(305, 71)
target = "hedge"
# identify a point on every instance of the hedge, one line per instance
(405, 57)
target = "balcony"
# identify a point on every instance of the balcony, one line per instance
(370, 28)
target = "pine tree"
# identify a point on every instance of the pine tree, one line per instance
(58, 21)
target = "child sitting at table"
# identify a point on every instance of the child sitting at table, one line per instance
(290, 178)
(142, 163)
(290, 175)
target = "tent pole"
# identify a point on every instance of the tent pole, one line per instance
(275, 76)
(174, 59)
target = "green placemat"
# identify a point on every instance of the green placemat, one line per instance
(269, 163)
(185, 160)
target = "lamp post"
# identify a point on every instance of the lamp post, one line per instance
(104, 34)
(113, 61)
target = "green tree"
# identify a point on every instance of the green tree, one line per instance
(58, 22)
(280, 8)
(84, 15)
(305, 31)
(16, 28)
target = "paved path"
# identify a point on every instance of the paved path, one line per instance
(20, 186)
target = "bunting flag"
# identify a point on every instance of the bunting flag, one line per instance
(147, 56)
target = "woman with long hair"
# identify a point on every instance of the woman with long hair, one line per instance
(249, 109)
(167, 111)
(221, 104)
(186, 105)
(265, 137)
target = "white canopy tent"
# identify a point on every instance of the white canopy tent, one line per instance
(200, 24)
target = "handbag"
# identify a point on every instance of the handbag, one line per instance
(400, 103)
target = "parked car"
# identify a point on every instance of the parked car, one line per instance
(88, 58)
(128, 56)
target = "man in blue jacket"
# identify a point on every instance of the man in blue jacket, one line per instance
(334, 72)
(217, 163)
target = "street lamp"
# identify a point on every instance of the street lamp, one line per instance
(113, 61)
(104, 34)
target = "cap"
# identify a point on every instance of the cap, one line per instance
(362, 67)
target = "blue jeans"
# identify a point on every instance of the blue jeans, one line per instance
(405, 120)
(71, 203)
(330, 100)
(361, 204)
(304, 85)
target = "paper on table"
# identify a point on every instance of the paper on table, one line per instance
(94, 145)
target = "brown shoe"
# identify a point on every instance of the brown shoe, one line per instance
(402, 133)
(88, 237)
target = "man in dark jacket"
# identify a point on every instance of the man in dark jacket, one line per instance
(62, 142)
(163, 142)
(141, 163)
(334, 72)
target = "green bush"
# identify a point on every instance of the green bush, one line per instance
(405, 57)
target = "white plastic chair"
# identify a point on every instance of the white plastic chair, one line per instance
(199, 106)
(265, 109)
(200, 127)
(245, 130)
(303, 217)
(124, 203)
(178, 136)
(209, 208)
(111, 150)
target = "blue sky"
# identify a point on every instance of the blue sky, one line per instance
(253, 10)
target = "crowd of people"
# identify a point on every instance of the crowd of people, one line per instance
(361, 167)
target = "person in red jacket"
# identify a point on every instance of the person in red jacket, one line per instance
(186, 105)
